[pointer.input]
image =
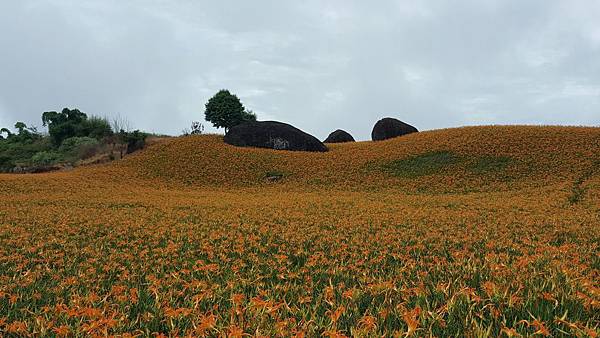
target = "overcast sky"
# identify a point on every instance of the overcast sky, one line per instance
(319, 65)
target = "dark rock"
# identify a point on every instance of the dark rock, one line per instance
(339, 136)
(274, 177)
(389, 128)
(273, 135)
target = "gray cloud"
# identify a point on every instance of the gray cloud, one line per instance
(319, 65)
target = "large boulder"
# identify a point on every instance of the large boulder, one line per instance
(339, 136)
(273, 135)
(389, 128)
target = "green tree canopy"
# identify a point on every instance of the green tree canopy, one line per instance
(224, 110)
(21, 127)
(5, 131)
(23, 134)
(74, 123)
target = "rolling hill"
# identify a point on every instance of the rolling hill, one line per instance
(475, 231)
(451, 160)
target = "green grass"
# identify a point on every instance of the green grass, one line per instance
(433, 163)
(422, 165)
(490, 164)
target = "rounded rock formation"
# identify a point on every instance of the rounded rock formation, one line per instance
(273, 135)
(388, 127)
(339, 136)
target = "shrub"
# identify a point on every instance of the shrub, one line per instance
(97, 127)
(135, 140)
(79, 147)
(16, 153)
(74, 143)
(44, 158)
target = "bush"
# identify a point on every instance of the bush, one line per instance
(76, 148)
(73, 143)
(135, 140)
(44, 158)
(19, 153)
(97, 127)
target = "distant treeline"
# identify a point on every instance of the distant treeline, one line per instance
(72, 138)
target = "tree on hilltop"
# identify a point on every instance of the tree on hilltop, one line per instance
(224, 110)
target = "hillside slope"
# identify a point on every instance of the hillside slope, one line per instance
(476, 232)
(460, 159)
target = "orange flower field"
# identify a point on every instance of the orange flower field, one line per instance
(477, 231)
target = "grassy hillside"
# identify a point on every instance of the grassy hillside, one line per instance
(449, 160)
(478, 231)
(461, 159)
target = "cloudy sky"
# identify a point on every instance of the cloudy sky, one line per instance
(320, 65)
